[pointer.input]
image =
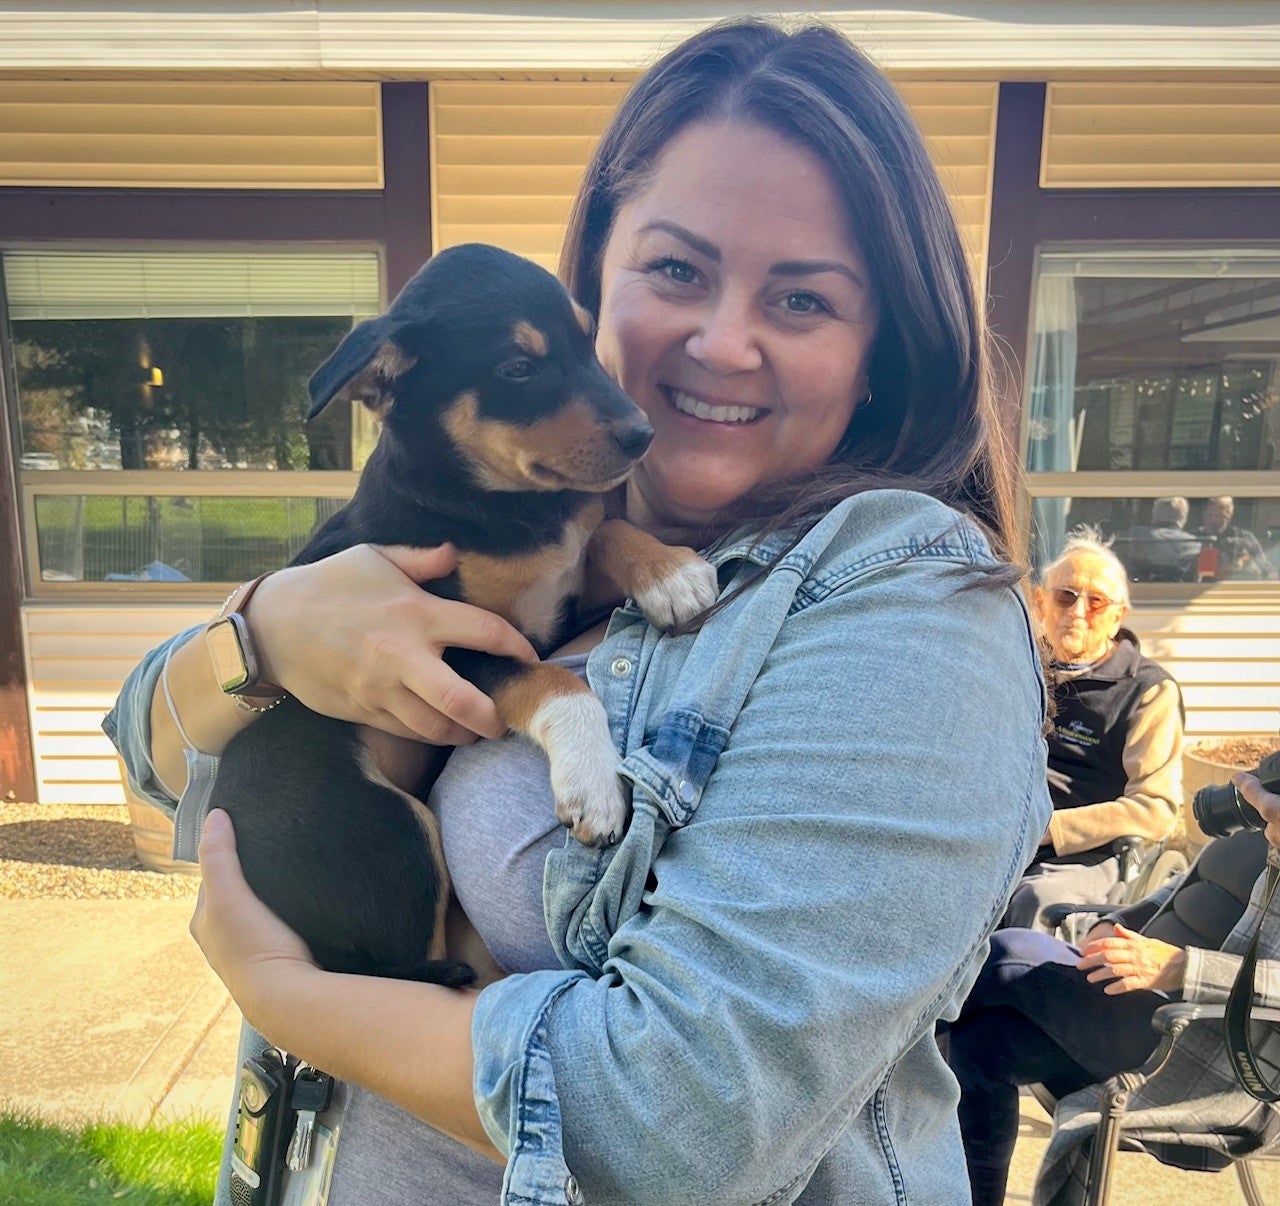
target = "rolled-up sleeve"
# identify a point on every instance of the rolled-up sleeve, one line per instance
(882, 788)
(128, 724)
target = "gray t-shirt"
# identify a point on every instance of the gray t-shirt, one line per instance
(498, 823)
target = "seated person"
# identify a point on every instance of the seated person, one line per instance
(1045, 1012)
(1163, 551)
(1229, 551)
(1115, 752)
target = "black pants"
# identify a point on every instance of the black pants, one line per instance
(1034, 1018)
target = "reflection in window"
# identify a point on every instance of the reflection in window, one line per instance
(1173, 539)
(134, 538)
(192, 360)
(1164, 362)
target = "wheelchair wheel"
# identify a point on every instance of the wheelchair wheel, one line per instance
(1168, 865)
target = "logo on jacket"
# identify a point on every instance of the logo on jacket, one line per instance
(1077, 733)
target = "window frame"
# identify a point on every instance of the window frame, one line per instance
(1025, 219)
(226, 483)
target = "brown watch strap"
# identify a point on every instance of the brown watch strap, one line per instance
(237, 601)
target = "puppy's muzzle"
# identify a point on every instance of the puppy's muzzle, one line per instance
(632, 438)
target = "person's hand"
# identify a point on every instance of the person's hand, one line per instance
(1100, 929)
(1047, 840)
(1267, 803)
(249, 948)
(1129, 961)
(355, 637)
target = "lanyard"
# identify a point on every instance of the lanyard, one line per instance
(1243, 1061)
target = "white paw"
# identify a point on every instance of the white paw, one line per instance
(681, 595)
(574, 732)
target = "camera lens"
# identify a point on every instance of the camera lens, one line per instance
(1220, 810)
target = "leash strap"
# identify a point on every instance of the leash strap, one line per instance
(1239, 1005)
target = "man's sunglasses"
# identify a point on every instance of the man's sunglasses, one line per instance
(1094, 604)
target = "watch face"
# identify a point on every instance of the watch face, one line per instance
(230, 666)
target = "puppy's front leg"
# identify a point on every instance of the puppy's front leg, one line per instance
(669, 583)
(556, 709)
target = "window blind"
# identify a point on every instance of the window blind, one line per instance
(189, 284)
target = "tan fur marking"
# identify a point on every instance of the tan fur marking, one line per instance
(496, 583)
(520, 697)
(529, 339)
(583, 315)
(431, 828)
(371, 384)
(630, 560)
(571, 448)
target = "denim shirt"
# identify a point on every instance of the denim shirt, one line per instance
(835, 784)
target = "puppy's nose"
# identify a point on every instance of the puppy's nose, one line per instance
(632, 438)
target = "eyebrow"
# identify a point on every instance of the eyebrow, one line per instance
(782, 268)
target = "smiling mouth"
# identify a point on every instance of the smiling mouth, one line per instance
(733, 416)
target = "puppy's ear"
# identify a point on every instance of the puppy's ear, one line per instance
(364, 367)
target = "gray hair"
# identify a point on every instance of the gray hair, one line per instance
(1170, 510)
(1089, 539)
(1225, 501)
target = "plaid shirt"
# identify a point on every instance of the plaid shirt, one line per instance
(1194, 1114)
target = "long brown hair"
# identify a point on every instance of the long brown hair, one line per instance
(931, 424)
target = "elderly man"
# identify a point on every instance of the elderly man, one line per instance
(1162, 551)
(1229, 551)
(1116, 747)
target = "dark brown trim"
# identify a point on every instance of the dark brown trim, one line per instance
(406, 182)
(17, 753)
(1011, 245)
(214, 216)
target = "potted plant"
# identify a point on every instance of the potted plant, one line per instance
(1215, 760)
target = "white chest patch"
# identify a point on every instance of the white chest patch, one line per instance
(537, 609)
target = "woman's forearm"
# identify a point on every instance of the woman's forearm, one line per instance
(209, 717)
(407, 1042)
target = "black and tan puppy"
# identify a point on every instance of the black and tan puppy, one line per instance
(501, 433)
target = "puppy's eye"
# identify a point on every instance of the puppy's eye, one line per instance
(520, 368)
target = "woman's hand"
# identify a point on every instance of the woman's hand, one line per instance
(1267, 803)
(253, 952)
(1130, 961)
(355, 637)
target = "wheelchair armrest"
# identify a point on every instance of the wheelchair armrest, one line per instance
(1130, 850)
(1175, 1017)
(1056, 914)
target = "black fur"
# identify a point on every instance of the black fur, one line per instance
(340, 858)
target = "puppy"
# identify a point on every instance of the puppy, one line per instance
(501, 433)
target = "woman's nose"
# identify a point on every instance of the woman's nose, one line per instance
(725, 339)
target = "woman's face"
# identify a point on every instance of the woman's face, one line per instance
(736, 310)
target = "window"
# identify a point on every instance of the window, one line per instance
(167, 360)
(138, 374)
(1159, 369)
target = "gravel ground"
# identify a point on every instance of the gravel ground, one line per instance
(77, 852)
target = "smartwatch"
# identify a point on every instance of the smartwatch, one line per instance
(235, 665)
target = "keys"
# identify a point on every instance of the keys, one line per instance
(310, 1095)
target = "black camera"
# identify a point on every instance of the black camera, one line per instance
(1221, 809)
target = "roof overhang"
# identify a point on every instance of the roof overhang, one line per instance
(389, 39)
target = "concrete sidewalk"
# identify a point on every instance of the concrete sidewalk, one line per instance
(107, 1007)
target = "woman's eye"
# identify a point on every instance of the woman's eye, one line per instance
(804, 303)
(520, 368)
(679, 271)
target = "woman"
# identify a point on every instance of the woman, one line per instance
(837, 778)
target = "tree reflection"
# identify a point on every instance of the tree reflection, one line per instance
(234, 393)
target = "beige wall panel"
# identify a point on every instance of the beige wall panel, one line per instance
(78, 657)
(1171, 135)
(190, 135)
(1226, 659)
(507, 157)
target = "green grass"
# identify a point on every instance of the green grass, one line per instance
(42, 1164)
